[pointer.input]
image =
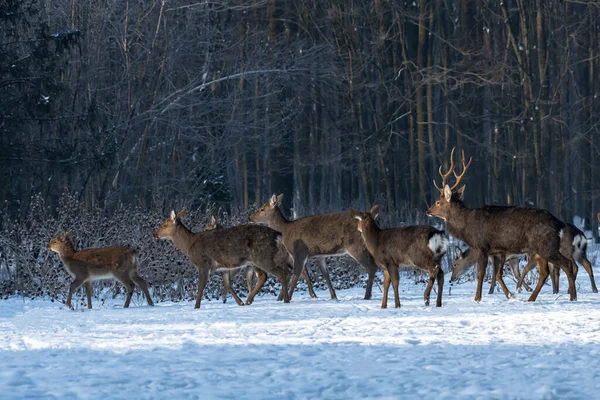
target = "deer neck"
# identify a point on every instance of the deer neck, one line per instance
(67, 251)
(370, 237)
(457, 221)
(278, 221)
(183, 238)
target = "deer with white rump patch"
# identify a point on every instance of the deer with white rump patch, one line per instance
(231, 248)
(86, 266)
(501, 230)
(421, 246)
(573, 245)
(324, 235)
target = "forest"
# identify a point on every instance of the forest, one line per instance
(156, 103)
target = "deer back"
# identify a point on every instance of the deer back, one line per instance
(236, 246)
(116, 257)
(323, 233)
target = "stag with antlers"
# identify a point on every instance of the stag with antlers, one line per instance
(501, 230)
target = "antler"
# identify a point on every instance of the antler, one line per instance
(451, 171)
(465, 166)
(447, 174)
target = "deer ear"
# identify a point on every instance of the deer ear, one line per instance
(173, 216)
(461, 192)
(374, 211)
(447, 193)
(457, 253)
(181, 213)
(356, 214)
(68, 235)
(273, 200)
(279, 198)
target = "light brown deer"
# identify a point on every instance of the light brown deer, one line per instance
(573, 245)
(324, 235)
(249, 270)
(88, 265)
(464, 260)
(421, 246)
(232, 248)
(501, 230)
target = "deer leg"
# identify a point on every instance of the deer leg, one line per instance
(432, 277)
(128, 283)
(493, 281)
(138, 280)
(386, 286)
(481, 267)
(364, 258)
(227, 284)
(249, 277)
(283, 279)
(73, 287)
(261, 278)
(440, 282)
(530, 265)
(89, 290)
(202, 279)
(518, 276)
(566, 265)
(325, 272)
(588, 268)
(293, 285)
(555, 277)
(543, 272)
(395, 279)
(224, 290)
(308, 282)
(499, 268)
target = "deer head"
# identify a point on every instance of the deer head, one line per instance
(62, 244)
(267, 210)
(462, 262)
(449, 195)
(366, 220)
(167, 229)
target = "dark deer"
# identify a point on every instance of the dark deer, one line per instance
(324, 235)
(232, 248)
(573, 245)
(501, 230)
(421, 246)
(249, 271)
(86, 266)
(464, 260)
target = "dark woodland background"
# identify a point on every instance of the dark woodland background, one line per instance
(149, 105)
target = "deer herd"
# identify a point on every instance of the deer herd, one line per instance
(494, 234)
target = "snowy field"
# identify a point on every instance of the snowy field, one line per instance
(308, 349)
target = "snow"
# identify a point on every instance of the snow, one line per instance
(310, 348)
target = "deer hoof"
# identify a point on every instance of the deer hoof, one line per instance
(427, 303)
(595, 290)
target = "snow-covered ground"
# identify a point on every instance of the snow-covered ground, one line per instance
(308, 349)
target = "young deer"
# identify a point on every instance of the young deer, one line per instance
(573, 245)
(501, 230)
(421, 246)
(88, 265)
(464, 260)
(231, 248)
(324, 235)
(228, 275)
